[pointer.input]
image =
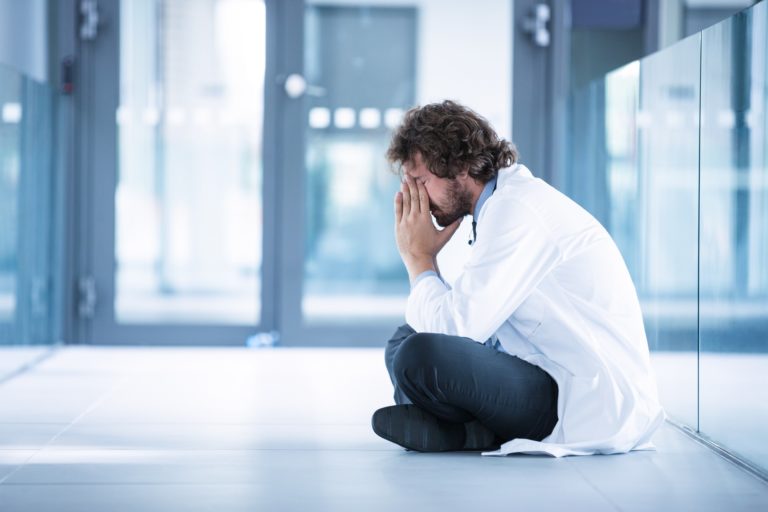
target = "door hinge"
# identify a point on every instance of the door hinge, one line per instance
(86, 297)
(38, 296)
(89, 19)
(535, 25)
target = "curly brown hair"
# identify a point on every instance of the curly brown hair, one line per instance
(450, 138)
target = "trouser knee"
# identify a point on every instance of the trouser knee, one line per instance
(393, 345)
(414, 352)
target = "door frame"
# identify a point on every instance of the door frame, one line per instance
(291, 170)
(91, 192)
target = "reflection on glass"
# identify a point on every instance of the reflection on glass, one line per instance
(188, 203)
(10, 110)
(26, 216)
(635, 167)
(10, 92)
(734, 234)
(352, 269)
(705, 299)
(621, 128)
(369, 63)
(667, 232)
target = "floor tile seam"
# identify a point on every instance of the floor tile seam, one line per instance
(98, 401)
(27, 367)
(18, 467)
(48, 354)
(594, 487)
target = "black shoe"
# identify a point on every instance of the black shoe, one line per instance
(416, 429)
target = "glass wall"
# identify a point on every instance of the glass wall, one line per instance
(26, 215)
(734, 234)
(188, 205)
(669, 153)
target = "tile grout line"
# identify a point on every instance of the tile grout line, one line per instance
(98, 401)
(596, 489)
(30, 365)
(24, 369)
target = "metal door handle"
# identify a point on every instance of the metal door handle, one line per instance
(296, 86)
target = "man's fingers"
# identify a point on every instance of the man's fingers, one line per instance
(423, 198)
(406, 199)
(414, 193)
(398, 206)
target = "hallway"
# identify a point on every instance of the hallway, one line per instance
(156, 429)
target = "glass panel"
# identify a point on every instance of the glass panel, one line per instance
(188, 202)
(27, 202)
(634, 155)
(10, 146)
(359, 89)
(622, 95)
(734, 234)
(667, 234)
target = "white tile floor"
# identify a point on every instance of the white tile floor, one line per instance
(112, 429)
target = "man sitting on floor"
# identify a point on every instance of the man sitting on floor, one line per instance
(539, 345)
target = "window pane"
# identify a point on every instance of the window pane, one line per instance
(366, 65)
(188, 202)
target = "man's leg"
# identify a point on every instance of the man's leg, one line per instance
(393, 345)
(459, 380)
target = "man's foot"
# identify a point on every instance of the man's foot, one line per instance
(416, 429)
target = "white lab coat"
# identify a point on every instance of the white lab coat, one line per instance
(547, 279)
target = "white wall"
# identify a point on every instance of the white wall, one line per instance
(465, 53)
(24, 36)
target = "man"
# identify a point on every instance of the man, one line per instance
(539, 345)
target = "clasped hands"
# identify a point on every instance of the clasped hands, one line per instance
(418, 240)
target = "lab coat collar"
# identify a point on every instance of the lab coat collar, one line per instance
(484, 195)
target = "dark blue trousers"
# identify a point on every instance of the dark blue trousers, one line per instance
(459, 380)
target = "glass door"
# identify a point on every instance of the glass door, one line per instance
(178, 184)
(360, 65)
(236, 151)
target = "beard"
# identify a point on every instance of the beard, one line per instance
(458, 205)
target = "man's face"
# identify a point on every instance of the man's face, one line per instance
(449, 199)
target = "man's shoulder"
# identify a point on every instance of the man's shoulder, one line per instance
(525, 199)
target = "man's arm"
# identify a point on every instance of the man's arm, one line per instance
(511, 258)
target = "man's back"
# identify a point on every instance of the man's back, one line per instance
(540, 336)
(547, 279)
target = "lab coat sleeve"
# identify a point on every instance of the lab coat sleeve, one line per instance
(513, 253)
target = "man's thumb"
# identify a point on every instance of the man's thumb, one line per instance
(449, 230)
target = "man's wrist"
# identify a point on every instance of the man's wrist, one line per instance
(418, 266)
